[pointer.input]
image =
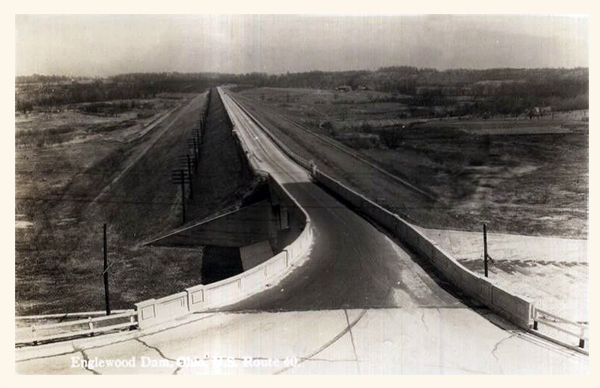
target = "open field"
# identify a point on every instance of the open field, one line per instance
(75, 123)
(528, 181)
(519, 175)
(112, 163)
(63, 160)
(76, 170)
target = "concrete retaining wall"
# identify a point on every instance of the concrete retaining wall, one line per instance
(227, 291)
(204, 297)
(512, 307)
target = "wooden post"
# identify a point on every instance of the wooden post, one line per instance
(106, 293)
(91, 325)
(485, 253)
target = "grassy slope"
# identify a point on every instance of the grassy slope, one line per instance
(59, 259)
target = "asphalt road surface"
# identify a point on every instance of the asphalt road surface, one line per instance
(353, 264)
(359, 304)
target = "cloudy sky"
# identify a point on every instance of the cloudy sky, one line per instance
(101, 45)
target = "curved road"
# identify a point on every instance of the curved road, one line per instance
(359, 304)
(353, 264)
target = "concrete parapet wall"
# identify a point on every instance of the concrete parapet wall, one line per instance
(242, 147)
(299, 160)
(204, 297)
(514, 308)
(155, 311)
(227, 291)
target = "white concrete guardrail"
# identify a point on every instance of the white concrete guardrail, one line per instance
(291, 154)
(249, 282)
(516, 309)
(228, 291)
(194, 299)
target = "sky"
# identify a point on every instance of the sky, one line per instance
(104, 45)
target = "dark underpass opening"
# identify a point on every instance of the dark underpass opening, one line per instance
(220, 263)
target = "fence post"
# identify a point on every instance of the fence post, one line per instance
(105, 275)
(91, 324)
(132, 321)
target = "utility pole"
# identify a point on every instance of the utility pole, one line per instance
(486, 256)
(105, 273)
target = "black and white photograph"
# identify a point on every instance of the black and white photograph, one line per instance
(304, 193)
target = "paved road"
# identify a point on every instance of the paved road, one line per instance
(373, 341)
(360, 304)
(353, 265)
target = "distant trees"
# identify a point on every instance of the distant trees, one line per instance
(506, 91)
(490, 91)
(55, 90)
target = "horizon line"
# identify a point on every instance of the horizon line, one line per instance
(304, 72)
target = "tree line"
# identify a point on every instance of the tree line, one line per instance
(500, 90)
